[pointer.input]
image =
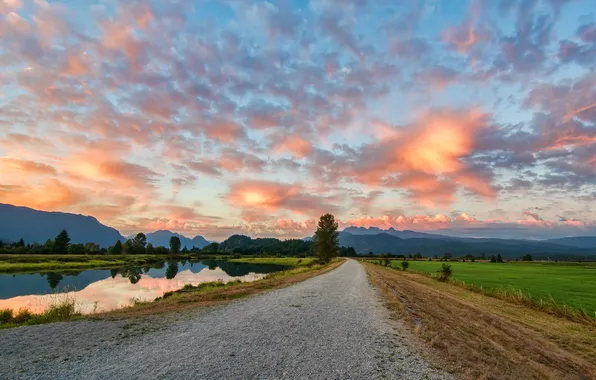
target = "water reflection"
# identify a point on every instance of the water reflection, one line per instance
(102, 290)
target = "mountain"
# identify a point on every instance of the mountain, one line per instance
(578, 242)
(386, 243)
(405, 234)
(162, 237)
(38, 226)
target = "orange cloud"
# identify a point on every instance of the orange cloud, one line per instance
(30, 167)
(295, 144)
(270, 196)
(49, 195)
(426, 158)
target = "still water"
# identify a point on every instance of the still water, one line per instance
(98, 290)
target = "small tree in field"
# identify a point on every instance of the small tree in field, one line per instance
(326, 238)
(445, 272)
(174, 245)
(405, 265)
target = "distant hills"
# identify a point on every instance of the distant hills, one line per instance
(405, 234)
(38, 226)
(366, 240)
(578, 242)
(162, 237)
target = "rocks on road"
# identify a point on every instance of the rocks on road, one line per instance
(330, 326)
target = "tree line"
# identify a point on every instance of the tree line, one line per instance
(324, 243)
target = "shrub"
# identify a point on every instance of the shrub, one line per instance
(5, 316)
(445, 272)
(405, 265)
(23, 316)
(386, 262)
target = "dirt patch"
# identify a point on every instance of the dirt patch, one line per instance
(479, 337)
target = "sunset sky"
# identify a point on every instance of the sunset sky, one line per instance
(218, 117)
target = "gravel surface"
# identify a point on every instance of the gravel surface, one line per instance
(331, 326)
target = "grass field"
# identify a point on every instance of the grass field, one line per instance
(475, 336)
(33, 263)
(286, 261)
(569, 284)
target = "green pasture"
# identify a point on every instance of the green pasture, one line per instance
(570, 284)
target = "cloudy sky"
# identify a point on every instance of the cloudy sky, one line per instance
(217, 117)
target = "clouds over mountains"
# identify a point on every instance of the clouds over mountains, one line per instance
(258, 116)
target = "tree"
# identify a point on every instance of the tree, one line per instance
(499, 258)
(405, 265)
(493, 259)
(138, 243)
(117, 248)
(149, 249)
(211, 248)
(175, 245)
(445, 272)
(76, 249)
(21, 243)
(48, 246)
(418, 255)
(61, 242)
(527, 258)
(326, 238)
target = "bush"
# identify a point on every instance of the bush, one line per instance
(5, 316)
(445, 272)
(23, 316)
(386, 262)
(405, 265)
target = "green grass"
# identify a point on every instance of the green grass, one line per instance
(35, 263)
(286, 261)
(32, 263)
(568, 284)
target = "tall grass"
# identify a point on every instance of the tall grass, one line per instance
(61, 309)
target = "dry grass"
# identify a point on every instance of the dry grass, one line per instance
(479, 337)
(215, 295)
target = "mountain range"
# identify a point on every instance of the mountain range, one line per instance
(38, 226)
(378, 241)
(162, 237)
(34, 226)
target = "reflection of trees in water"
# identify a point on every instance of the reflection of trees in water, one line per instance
(172, 270)
(114, 272)
(241, 269)
(133, 274)
(54, 279)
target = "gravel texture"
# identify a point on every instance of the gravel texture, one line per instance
(331, 326)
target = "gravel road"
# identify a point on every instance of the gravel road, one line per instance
(330, 326)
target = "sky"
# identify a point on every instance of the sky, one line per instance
(474, 118)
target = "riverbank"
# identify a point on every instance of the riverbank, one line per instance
(40, 263)
(205, 294)
(486, 335)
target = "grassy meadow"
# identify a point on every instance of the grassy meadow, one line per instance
(570, 284)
